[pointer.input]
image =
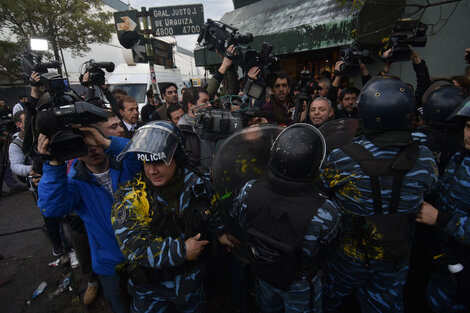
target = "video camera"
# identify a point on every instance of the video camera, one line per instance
(218, 36)
(96, 73)
(307, 85)
(263, 60)
(57, 109)
(7, 125)
(215, 124)
(52, 82)
(405, 33)
(351, 55)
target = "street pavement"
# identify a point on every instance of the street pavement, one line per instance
(25, 252)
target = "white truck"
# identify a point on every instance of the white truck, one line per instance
(135, 80)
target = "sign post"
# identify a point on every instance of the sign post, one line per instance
(165, 21)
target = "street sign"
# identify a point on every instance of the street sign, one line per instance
(177, 20)
(139, 52)
(126, 21)
(163, 53)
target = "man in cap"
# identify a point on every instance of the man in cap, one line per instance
(378, 181)
(163, 218)
(287, 223)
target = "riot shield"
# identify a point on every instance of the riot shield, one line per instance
(338, 133)
(240, 158)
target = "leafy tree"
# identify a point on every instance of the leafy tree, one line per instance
(66, 24)
(10, 66)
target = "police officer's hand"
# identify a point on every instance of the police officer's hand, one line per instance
(427, 214)
(194, 247)
(93, 137)
(224, 240)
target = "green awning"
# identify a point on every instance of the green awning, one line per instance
(300, 25)
(291, 26)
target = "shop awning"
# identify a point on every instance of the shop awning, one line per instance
(298, 25)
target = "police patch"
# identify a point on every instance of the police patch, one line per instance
(121, 215)
(151, 157)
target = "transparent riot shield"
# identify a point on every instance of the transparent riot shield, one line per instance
(240, 158)
(338, 133)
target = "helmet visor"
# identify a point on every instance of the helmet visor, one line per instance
(152, 144)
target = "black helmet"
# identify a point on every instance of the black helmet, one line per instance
(440, 100)
(297, 153)
(386, 103)
(157, 141)
(462, 113)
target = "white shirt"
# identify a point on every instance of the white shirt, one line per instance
(105, 180)
(130, 127)
(18, 107)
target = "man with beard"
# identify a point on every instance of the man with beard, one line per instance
(280, 102)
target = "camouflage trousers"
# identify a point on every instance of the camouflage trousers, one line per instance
(185, 293)
(445, 294)
(379, 284)
(304, 296)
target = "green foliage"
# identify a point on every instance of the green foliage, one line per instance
(66, 24)
(10, 66)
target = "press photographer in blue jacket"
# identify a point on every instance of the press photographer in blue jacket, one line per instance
(89, 190)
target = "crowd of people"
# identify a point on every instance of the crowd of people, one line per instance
(383, 218)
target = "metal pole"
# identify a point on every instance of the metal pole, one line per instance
(150, 51)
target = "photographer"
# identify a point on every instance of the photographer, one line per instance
(88, 190)
(147, 113)
(170, 95)
(347, 103)
(227, 73)
(280, 102)
(200, 151)
(5, 110)
(20, 106)
(113, 102)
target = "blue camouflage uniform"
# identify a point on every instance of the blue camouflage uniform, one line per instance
(445, 291)
(168, 278)
(305, 294)
(351, 265)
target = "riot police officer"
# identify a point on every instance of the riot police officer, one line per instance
(162, 220)
(378, 181)
(444, 139)
(450, 213)
(287, 223)
(441, 136)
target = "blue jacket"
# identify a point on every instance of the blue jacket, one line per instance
(81, 192)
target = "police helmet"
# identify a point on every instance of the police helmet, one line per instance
(440, 100)
(297, 153)
(462, 113)
(386, 103)
(156, 142)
